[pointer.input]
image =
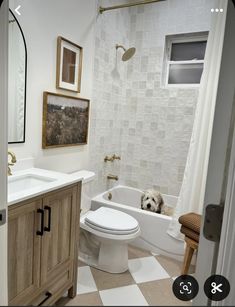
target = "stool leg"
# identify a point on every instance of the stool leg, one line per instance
(187, 259)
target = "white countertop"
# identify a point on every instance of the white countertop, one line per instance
(56, 180)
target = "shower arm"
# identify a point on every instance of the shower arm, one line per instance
(103, 9)
(120, 46)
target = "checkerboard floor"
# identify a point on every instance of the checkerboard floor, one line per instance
(147, 283)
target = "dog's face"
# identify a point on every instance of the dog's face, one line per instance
(152, 201)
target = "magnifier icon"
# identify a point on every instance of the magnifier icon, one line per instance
(185, 288)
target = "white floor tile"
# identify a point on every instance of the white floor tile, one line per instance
(123, 296)
(86, 283)
(146, 269)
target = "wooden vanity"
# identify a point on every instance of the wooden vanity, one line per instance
(43, 247)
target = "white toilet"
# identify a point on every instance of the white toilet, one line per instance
(105, 237)
(104, 233)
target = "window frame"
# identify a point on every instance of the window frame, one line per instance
(180, 38)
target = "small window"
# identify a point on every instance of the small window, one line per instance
(184, 59)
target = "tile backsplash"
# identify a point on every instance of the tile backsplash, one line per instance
(132, 114)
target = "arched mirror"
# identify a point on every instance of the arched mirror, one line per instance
(17, 82)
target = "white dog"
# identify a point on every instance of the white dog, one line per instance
(152, 200)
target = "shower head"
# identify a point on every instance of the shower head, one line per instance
(128, 53)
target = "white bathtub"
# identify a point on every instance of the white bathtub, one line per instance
(153, 226)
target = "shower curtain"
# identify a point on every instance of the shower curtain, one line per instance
(192, 192)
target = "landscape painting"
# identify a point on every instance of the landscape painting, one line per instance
(65, 120)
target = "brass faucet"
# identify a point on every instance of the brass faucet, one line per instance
(12, 162)
(107, 158)
(112, 158)
(112, 177)
(115, 157)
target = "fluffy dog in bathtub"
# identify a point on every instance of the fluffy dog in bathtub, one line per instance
(152, 201)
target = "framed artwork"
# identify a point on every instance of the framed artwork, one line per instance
(69, 65)
(65, 120)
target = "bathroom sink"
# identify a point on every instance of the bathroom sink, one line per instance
(20, 183)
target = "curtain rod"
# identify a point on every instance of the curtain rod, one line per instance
(103, 9)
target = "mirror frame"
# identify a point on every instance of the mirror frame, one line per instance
(25, 83)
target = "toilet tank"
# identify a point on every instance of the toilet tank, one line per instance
(88, 178)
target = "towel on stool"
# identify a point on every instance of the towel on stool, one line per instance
(191, 223)
(190, 233)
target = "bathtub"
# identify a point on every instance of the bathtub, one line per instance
(153, 226)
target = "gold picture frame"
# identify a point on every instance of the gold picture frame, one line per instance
(69, 65)
(65, 120)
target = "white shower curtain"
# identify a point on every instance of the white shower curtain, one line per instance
(191, 195)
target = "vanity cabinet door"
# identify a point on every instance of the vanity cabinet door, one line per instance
(24, 223)
(58, 241)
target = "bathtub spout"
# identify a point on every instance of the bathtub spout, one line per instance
(112, 177)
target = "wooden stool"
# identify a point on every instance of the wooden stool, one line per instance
(191, 229)
(191, 246)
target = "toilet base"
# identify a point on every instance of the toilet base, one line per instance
(102, 253)
(113, 258)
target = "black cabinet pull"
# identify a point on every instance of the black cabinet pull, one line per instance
(48, 295)
(40, 232)
(48, 228)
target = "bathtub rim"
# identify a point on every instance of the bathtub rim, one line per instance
(100, 198)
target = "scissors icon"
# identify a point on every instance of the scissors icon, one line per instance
(216, 288)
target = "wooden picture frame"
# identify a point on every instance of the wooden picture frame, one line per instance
(69, 65)
(65, 120)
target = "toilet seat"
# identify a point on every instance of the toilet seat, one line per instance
(111, 221)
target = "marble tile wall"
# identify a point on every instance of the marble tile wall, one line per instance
(108, 95)
(132, 113)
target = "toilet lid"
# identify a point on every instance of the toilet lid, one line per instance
(110, 220)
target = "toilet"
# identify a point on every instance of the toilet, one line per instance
(104, 233)
(108, 233)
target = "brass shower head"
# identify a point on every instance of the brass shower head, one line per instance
(128, 53)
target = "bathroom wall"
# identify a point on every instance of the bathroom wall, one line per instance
(42, 22)
(156, 137)
(153, 123)
(109, 88)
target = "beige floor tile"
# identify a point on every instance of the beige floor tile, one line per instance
(62, 301)
(173, 267)
(134, 252)
(159, 293)
(106, 280)
(91, 299)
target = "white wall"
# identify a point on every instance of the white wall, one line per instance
(42, 22)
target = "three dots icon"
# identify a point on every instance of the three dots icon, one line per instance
(217, 10)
